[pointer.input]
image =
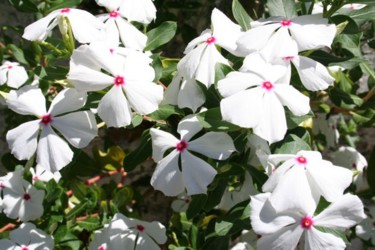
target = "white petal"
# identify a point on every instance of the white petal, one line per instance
(264, 219)
(109, 4)
(112, 34)
(161, 142)
(342, 214)
(278, 174)
(17, 76)
(216, 145)
(39, 30)
(189, 63)
(33, 208)
(114, 108)
(53, 153)
(190, 95)
(293, 192)
(272, 125)
(188, 127)
(316, 239)
(297, 102)
(87, 79)
(22, 140)
(329, 180)
(144, 97)
(67, 100)
(9, 245)
(78, 128)
(314, 75)
(156, 230)
(86, 28)
(198, 40)
(255, 38)
(131, 37)
(236, 81)
(312, 32)
(142, 11)
(27, 101)
(167, 176)
(225, 31)
(196, 173)
(243, 108)
(206, 70)
(285, 239)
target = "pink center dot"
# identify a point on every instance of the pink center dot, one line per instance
(140, 228)
(10, 67)
(286, 23)
(267, 85)
(288, 58)
(26, 197)
(111, 51)
(119, 80)
(354, 166)
(24, 248)
(211, 40)
(101, 248)
(46, 119)
(307, 222)
(113, 14)
(65, 10)
(181, 146)
(2, 186)
(301, 160)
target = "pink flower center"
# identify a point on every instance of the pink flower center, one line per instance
(354, 166)
(10, 67)
(24, 248)
(113, 14)
(46, 119)
(101, 248)
(2, 186)
(119, 80)
(301, 160)
(267, 85)
(288, 58)
(65, 10)
(111, 51)
(286, 23)
(140, 228)
(181, 146)
(26, 197)
(307, 222)
(211, 40)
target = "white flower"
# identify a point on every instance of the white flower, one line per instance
(53, 153)
(9, 181)
(309, 32)
(13, 74)
(181, 203)
(22, 200)
(117, 27)
(202, 54)
(127, 233)
(185, 93)
(327, 125)
(27, 237)
(284, 230)
(85, 27)
(350, 158)
(130, 78)
(194, 174)
(303, 178)
(256, 101)
(282, 49)
(41, 174)
(233, 196)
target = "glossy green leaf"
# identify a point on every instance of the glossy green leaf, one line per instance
(90, 224)
(284, 8)
(196, 205)
(24, 5)
(241, 16)
(212, 120)
(160, 35)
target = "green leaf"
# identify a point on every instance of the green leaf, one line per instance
(221, 70)
(284, 8)
(343, 99)
(292, 145)
(140, 154)
(196, 205)
(212, 120)
(160, 35)
(362, 15)
(157, 65)
(165, 111)
(59, 4)
(123, 196)
(24, 5)
(90, 224)
(241, 16)
(79, 189)
(18, 53)
(53, 191)
(293, 121)
(371, 171)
